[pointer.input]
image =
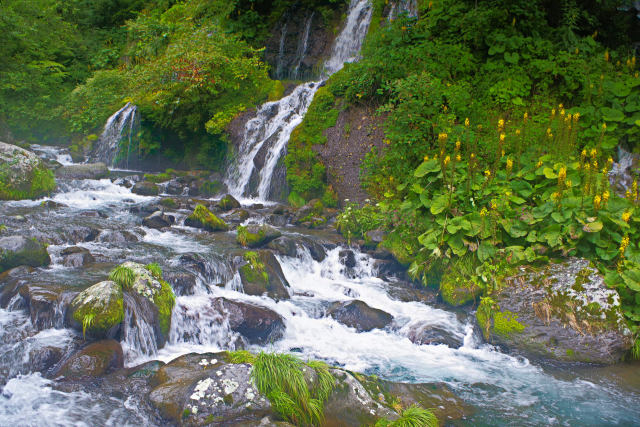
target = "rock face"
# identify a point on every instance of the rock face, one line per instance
(203, 218)
(18, 250)
(83, 171)
(98, 310)
(357, 314)
(254, 236)
(263, 275)
(563, 312)
(201, 389)
(94, 360)
(157, 220)
(22, 174)
(45, 304)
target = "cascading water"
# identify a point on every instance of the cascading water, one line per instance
(122, 125)
(267, 135)
(280, 59)
(621, 172)
(302, 46)
(410, 7)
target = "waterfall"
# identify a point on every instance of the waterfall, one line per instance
(302, 46)
(410, 7)
(122, 125)
(280, 60)
(266, 136)
(620, 175)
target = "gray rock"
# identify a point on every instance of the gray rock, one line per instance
(356, 314)
(255, 236)
(46, 304)
(76, 256)
(18, 250)
(83, 171)
(182, 283)
(258, 325)
(95, 360)
(145, 188)
(263, 276)
(98, 311)
(158, 220)
(228, 202)
(564, 312)
(18, 169)
(434, 335)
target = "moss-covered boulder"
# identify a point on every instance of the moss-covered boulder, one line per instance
(254, 236)
(19, 250)
(205, 219)
(147, 282)
(457, 290)
(98, 310)
(262, 275)
(23, 175)
(563, 311)
(228, 202)
(145, 188)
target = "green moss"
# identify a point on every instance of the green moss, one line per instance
(400, 250)
(157, 178)
(485, 314)
(203, 218)
(254, 272)
(276, 92)
(41, 183)
(227, 203)
(35, 255)
(228, 399)
(252, 240)
(570, 353)
(456, 290)
(506, 323)
(155, 270)
(168, 203)
(164, 300)
(581, 278)
(98, 320)
(186, 413)
(241, 356)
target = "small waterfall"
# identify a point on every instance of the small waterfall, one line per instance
(620, 175)
(410, 7)
(266, 136)
(280, 60)
(139, 337)
(122, 125)
(302, 46)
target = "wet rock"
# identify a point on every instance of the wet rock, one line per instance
(347, 258)
(254, 236)
(262, 275)
(18, 250)
(228, 202)
(76, 256)
(19, 169)
(200, 389)
(158, 220)
(374, 237)
(258, 325)
(94, 360)
(563, 311)
(145, 188)
(237, 215)
(356, 314)
(174, 188)
(117, 236)
(44, 358)
(98, 311)
(83, 171)
(46, 305)
(79, 234)
(434, 335)
(50, 204)
(10, 283)
(181, 282)
(204, 219)
(277, 220)
(285, 246)
(405, 291)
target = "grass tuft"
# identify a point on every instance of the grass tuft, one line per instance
(123, 276)
(241, 356)
(155, 270)
(411, 417)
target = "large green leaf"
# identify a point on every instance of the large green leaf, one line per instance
(593, 227)
(631, 278)
(427, 167)
(456, 244)
(485, 251)
(439, 204)
(611, 114)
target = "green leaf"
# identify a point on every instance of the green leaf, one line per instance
(631, 278)
(427, 167)
(439, 204)
(606, 254)
(485, 251)
(611, 115)
(593, 227)
(457, 245)
(549, 173)
(542, 210)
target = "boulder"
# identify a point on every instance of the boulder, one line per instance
(46, 304)
(83, 171)
(23, 175)
(76, 256)
(347, 258)
(563, 311)
(237, 215)
(183, 283)
(285, 246)
(95, 360)
(262, 275)
(158, 220)
(145, 188)
(356, 314)
(427, 334)
(254, 236)
(228, 202)
(117, 236)
(11, 281)
(203, 218)
(98, 311)
(19, 250)
(258, 325)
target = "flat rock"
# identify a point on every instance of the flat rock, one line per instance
(83, 171)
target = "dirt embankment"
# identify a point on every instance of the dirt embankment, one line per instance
(357, 131)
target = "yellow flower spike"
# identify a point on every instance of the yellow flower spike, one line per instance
(487, 173)
(561, 106)
(447, 160)
(596, 202)
(626, 216)
(502, 153)
(517, 132)
(576, 117)
(587, 166)
(391, 178)
(539, 164)
(500, 124)
(628, 195)
(606, 55)
(604, 126)
(483, 212)
(610, 160)
(562, 112)
(569, 183)
(494, 205)
(502, 137)
(458, 144)
(583, 154)
(593, 153)
(569, 117)
(628, 63)
(467, 122)
(617, 63)
(605, 197)
(509, 165)
(577, 51)
(426, 158)
(556, 196)
(601, 76)
(458, 158)
(595, 164)
(562, 175)
(445, 108)
(623, 244)
(553, 113)
(526, 116)
(605, 171)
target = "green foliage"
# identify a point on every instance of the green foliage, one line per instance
(155, 270)
(411, 417)
(506, 323)
(484, 314)
(87, 321)
(40, 183)
(164, 300)
(157, 178)
(123, 276)
(207, 220)
(282, 379)
(241, 356)
(251, 240)
(354, 221)
(3, 228)
(256, 272)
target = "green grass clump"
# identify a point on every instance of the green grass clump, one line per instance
(203, 218)
(241, 356)
(411, 417)
(155, 270)
(157, 178)
(168, 203)
(123, 276)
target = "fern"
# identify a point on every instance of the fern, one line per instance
(123, 276)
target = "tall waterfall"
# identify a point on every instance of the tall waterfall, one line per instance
(302, 46)
(266, 136)
(122, 125)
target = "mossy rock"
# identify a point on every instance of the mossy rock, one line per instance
(23, 175)
(19, 250)
(228, 202)
(254, 236)
(205, 219)
(398, 249)
(263, 275)
(458, 291)
(99, 309)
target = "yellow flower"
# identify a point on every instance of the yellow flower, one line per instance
(472, 156)
(576, 117)
(442, 136)
(526, 116)
(483, 212)
(606, 55)
(610, 160)
(509, 165)
(595, 164)
(561, 106)
(458, 158)
(562, 175)
(626, 216)
(458, 144)
(556, 196)
(569, 117)
(447, 160)
(500, 124)
(487, 173)
(562, 112)
(467, 122)
(502, 137)
(553, 113)
(539, 164)
(426, 158)
(569, 183)
(604, 126)
(587, 166)
(391, 178)
(596, 202)
(593, 153)
(583, 154)
(605, 197)
(623, 244)
(517, 132)
(494, 205)
(628, 195)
